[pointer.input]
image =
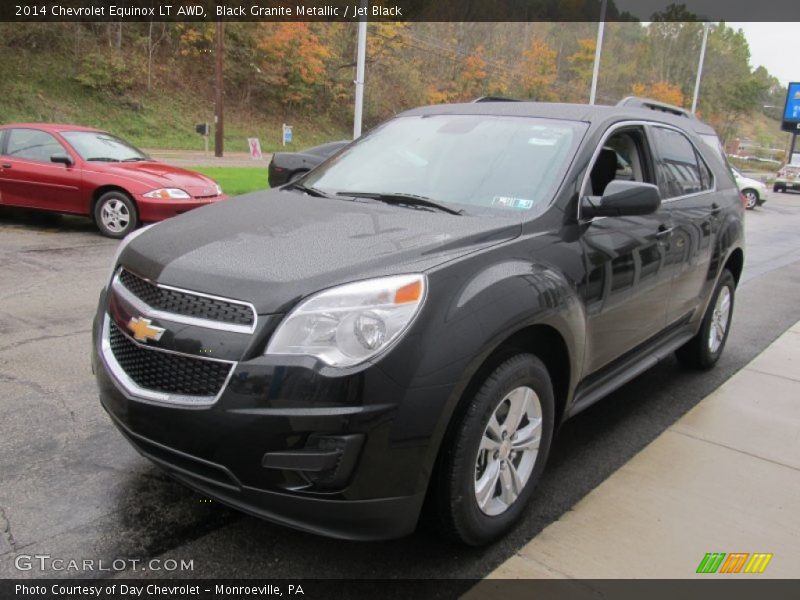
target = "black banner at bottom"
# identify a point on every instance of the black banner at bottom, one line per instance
(732, 588)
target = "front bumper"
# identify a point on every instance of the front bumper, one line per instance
(152, 210)
(346, 456)
(375, 519)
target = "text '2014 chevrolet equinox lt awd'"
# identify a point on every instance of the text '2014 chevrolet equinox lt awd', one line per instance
(416, 316)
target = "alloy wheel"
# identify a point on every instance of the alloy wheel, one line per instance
(508, 450)
(115, 215)
(719, 319)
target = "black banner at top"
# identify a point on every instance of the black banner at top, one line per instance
(398, 10)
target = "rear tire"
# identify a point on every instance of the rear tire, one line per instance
(704, 349)
(494, 456)
(115, 214)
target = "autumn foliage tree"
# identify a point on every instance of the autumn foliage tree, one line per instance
(307, 69)
(660, 90)
(538, 71)
(292, 60)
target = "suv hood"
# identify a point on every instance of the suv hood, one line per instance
(274, 248)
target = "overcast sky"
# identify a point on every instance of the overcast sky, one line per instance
(773, 45)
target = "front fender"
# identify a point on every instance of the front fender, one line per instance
(475, 306)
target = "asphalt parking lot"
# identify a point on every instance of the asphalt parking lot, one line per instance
(72, 487)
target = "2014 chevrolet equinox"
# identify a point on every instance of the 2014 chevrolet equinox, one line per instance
(418, 315)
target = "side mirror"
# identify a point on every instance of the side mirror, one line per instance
(64, 159)
(623, 199)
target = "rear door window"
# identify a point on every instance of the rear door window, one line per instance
(681, 171)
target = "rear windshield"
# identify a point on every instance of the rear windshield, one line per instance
(476, 163)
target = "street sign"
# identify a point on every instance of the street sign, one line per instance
(791, 111)
(287, 134)
(255, 148)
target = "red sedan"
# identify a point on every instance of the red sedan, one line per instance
(84, 171)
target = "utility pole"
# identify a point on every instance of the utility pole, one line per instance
(598, 49)
(361, 57)
(706, 27)
(219, 128)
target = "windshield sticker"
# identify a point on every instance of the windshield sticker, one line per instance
(515, 203)
(540, 141)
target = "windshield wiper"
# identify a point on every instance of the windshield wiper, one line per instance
(311, 191)
(401, 199)
(133, 159)
(103, 159)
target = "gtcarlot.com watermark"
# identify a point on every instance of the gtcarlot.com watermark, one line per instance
(46, 562)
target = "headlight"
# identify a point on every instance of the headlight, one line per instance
(351, 323)
(219, 189)
(167, 194)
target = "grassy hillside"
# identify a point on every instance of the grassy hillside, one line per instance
(40, 87)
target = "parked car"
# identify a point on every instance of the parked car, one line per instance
(788, 178)
(753, 190)
(84, 171)
(288, 166)
(415, 319)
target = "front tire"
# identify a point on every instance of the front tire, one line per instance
(496, 453)
(751, 198)
(115, 214)
(704, 349)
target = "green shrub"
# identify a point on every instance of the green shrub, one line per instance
(109, 72)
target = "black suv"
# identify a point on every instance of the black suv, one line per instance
(415, 317)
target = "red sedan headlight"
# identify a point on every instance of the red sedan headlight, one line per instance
(168, 194)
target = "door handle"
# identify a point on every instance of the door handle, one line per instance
(664, 231)
(715, 209)
(6, 166)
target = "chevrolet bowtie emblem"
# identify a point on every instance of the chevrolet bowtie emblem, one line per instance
(143, 330)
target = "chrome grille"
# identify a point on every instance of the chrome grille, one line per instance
(185, 303)
(167, 372)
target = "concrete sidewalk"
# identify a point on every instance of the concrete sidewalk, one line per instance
(724, 478)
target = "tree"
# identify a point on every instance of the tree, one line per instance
(293, 59)
(581, 66)
(539, 71)
(660, 90)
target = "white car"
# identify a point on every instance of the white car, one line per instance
(788, 178)
(753, 190)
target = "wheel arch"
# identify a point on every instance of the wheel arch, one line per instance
(543, 341)
(735, 264)
(98, 192)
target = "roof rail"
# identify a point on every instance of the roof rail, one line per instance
(494, 99)
(635, 101)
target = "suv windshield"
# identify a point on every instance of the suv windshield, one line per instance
(101, 146)
(475, 163)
